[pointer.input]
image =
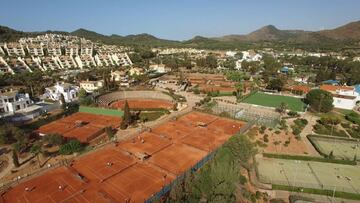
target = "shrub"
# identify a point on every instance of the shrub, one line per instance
(71, 147)
(353, 117)
(266, 138)
(277, 132)
(330, 120)
(293, 114)
(262, 129)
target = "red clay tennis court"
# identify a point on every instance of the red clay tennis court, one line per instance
(147, 142)
(82, 126)
(136, 183)
(196, 118)
(53, 186)
(227, 126)
(103, 164)
(173, 130)
(205, 139)
(143, 104)
(177, 158)
(114, 174)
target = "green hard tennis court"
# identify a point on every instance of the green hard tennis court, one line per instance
(101, 111)
(268, 100)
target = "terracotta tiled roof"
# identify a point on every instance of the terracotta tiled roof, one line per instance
(333, 88)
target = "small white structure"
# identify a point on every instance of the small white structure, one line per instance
(69, 91)
(91, 86)
(136, 71)
(159, 68)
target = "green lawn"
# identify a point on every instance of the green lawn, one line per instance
(101, 111)
(262, 99)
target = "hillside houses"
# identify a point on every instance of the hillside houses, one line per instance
(59, 52)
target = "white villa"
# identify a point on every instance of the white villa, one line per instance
(345, 97)
(69, 91)
(91, 86)
(12, 101)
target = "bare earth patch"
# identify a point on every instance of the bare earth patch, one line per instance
(281, 142)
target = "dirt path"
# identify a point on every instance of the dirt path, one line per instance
(307, 131)
(9, 167)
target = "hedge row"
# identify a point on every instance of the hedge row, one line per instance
(308, 158)
(339, 194)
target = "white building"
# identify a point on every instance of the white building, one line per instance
(85, 61)
(69, 91)
(4, 67)
(14, 49)
(230, 53)
(345, 97)
(121, 59)
(159, 68)
(91, 86)
(71, 50)
(66, 62)
(35, 49)
(54, 49)
(136, 71)
(11, 101)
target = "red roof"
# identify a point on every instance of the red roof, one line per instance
(333, 88)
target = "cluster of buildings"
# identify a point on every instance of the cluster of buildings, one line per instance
(58, 52)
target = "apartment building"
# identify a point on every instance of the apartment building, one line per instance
(66, 62)
(4, 67)
(71, 49)
(85, 61)
(103, 60)
(18, 65)
(35, 49)
(49, 63)
(33, 64)
(86, 49)
(1, 50)
(121, 59)
(14, 49)
(54, 49)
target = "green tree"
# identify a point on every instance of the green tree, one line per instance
(36, 151)
(319, 100)
(62, 102)
(54, 139)
(282, 108)
(127, 116)
(82, 93)
(242, 149)
(276, 84)
(15, 158)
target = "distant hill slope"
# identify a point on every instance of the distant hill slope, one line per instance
(348, 32)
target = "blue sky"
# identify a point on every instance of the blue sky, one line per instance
(176, 19)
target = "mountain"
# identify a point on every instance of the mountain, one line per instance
(267, 34)
(350, 31)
